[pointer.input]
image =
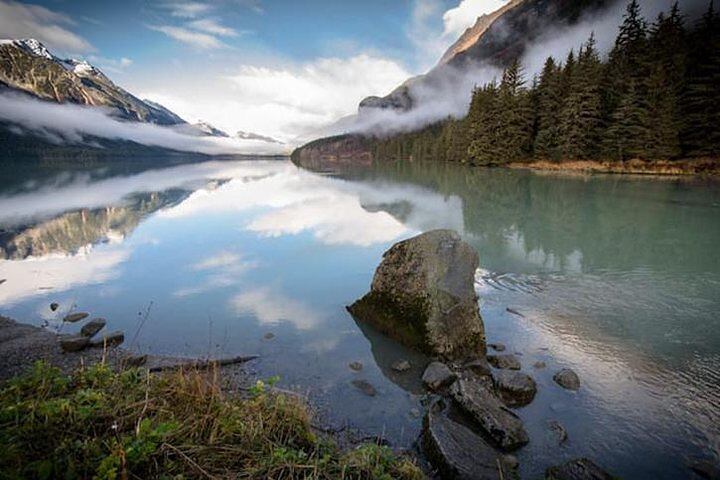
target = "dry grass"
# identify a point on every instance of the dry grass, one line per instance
(133, 424)
(705, 166)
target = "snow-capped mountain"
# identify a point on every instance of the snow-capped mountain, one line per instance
(28, 66)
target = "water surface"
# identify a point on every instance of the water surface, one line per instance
(615, 277)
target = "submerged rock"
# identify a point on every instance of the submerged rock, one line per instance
(76, 317)
(54, 306)
(74, 343)
(459, 453)
(475, 396)
(567, 379)
(423, 295)
(507, 361)
(92, 327)
(401, 366)
(365, 387)
(539, 365)
(437, 376)
(706, 469)
(498, 347)
(269, 336)
(516, 389)
(112, 339)
(559, 430)
(356, 366)
(579, 469)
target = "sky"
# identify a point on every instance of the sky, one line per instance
(283, 68)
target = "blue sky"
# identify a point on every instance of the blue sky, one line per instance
(278, 67)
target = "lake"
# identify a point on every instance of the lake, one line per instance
(616, 277)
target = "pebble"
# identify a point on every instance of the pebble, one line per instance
(76, 317)
(401, 366)
(357, 366)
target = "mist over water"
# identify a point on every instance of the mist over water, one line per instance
(615, 277)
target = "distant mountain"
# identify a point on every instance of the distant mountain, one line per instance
(494, 40)
(200, 129)
(254, 136)
(28, 66)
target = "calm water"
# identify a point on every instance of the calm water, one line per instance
(617, 277)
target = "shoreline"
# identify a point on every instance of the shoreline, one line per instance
(669, 168)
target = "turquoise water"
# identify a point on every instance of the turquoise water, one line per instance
(616, 277)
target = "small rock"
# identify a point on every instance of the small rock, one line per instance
(401, 366)
(504, 362)
(3, 280)
(269, 336)
(414, 412)
(357, 366)
(511, 461)
(437, 376)
(92, 327)
(75, 317)
(498, 347)
(479, 367)
(110, 340)
(579, 469)
(560, 430)
(459, 453)
(54, 306)
(516, 389)
(706, 469)
(74, 343)
(475, 396)
(365, 387)
(539, 365)
(567, 379)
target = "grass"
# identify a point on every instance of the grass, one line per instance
(101, 424)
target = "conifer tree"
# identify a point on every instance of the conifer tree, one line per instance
(702, 95)
(580, 118)
(549, 103)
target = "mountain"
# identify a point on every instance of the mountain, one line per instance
(200, 129)
(29, 67)
(494, 40)
(255, 136)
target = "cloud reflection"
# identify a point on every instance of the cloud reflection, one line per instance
(271, 308)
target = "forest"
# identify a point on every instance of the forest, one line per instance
(655, 97)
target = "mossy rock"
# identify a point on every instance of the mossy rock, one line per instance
(423, 295)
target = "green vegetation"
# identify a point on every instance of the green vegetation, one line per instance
(102, 424)
(656, 97)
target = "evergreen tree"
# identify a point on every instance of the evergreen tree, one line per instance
(485, 126)
(515, 115)
(702, 95)
(549, 103)
(580, 118)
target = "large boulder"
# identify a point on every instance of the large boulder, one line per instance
(423, 295)
(475, 396)
(459, 453)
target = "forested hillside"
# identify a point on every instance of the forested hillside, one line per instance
(655, 97)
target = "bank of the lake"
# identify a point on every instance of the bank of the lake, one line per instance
(93, 414)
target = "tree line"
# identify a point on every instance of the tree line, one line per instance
(655, 97)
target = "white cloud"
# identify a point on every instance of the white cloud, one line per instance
(213, 27)
(199, 40)
(458, 19)
(283, 102)
(187, 9)
(70, 124)
(18, 20)
(432, 37)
